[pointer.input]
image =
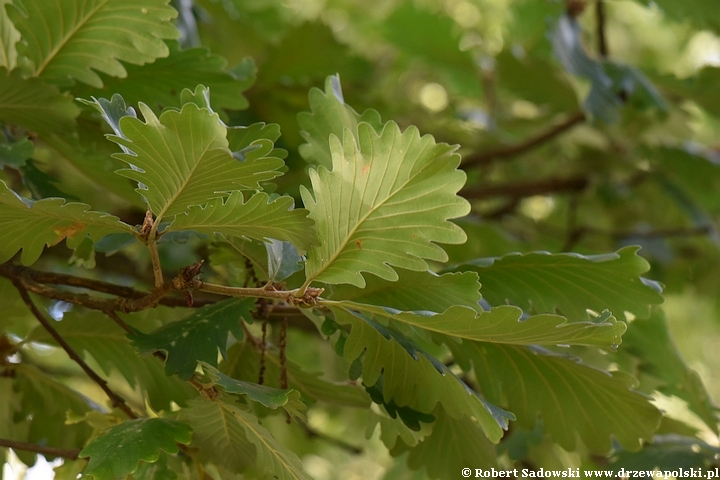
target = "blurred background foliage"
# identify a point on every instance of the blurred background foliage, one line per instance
(584, 126)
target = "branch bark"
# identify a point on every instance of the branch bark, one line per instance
(71, 454)
(116, 400)
(527, 189)
(600, 22)
(511, 151)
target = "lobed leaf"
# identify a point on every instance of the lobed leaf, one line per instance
(31, 225)
(34, 105)
(119, 450)
(263, 394)
(162, 80)
(414, 378)
(197, 337)
(569, 283)
(572, 399)
(46, 403)
(453, 445)
(183, 159)
(649, 340)
(503, 325)
(67, 41)
(385, 203)
(414, 291)
(9, 36)
(258, 218)
(244, 363)
(329, 115)
(230, 437)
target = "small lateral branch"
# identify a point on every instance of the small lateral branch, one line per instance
(527, 189)
(117, 400)
(511, 151)
(71, 454)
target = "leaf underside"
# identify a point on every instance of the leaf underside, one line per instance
(415, 379)
(30, 226)
(572, 399)
(385, 203)
(66, 41)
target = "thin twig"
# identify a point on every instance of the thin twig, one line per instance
(514, 150)
(115, 318)
(527, 189)
(71, 454)
(312, 433)
(290, 296)
(116, 400)
(129, 300)
(600, 21)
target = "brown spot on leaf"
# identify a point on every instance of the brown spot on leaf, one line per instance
(69, 231)
(359, 243)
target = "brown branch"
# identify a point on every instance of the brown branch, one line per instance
(71, 454)
(117, 400)
(600, 21)
(527, 189)
(511, 151)
(129, 300)
(312, 433)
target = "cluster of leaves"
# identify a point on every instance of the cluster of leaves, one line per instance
(384, 310)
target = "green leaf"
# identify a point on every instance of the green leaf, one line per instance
(503, 325)
(385, 203)
(283, 260)
(434, 38)
(66, 41)
(569, 283)
(414, 291)
(649, 340)
(414, 378)
(267, 396)
(120, 449)
(94, 333)
(329, 115)
(454, 444)
(46, 403)
(15, 154)
(161, 81)
(573, 399)
(9, 36)
(185, 160)
(244, 363)
(197, 337)
(29, 225)
(669, 452)
(700, 13)
(230, 437)
(258, 218)
(34, 105)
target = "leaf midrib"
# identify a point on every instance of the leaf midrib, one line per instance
(360, 221)
(68, 37)
(184, 184)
